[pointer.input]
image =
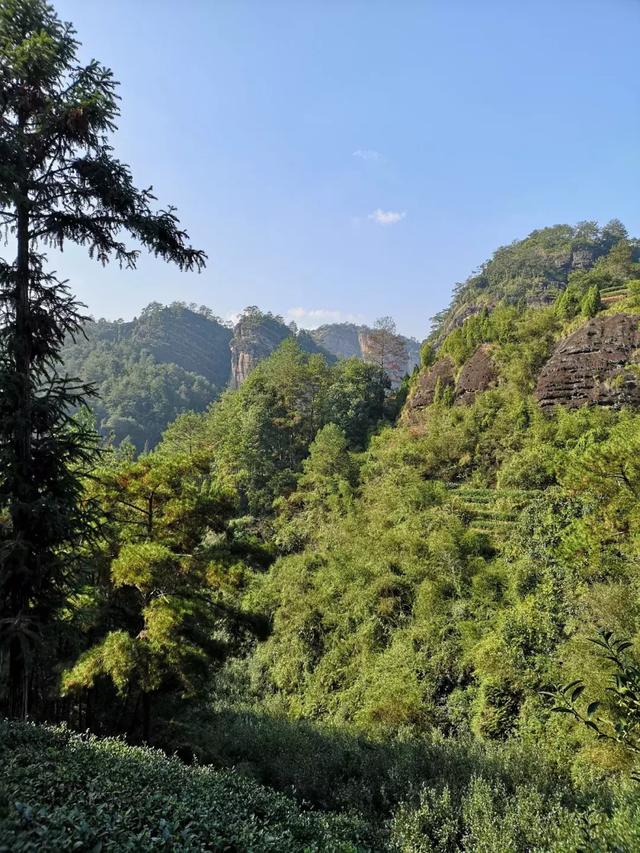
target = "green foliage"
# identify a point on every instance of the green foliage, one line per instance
(157, 621)
(325, 487)
(59, 183)
(169, 360)
(260, 433)
(61, 791)
(537, 269)
(618, 718)
(427, 354)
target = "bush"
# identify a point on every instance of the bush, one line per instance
(64, 791)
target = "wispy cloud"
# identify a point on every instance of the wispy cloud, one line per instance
(367, 154)
(387, 217)
(311, 318)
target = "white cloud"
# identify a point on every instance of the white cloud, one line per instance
(311, 318)
(387, 217)
(367, 154)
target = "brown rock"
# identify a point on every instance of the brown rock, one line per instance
(255, 337)
(478, 374)
(424, 391)
(592, 366)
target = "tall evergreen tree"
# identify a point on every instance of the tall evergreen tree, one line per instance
(59, 182)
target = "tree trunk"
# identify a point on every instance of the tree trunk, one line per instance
(22, 497)
(146, 716)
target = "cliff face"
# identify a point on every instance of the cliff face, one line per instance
(593, 366)
(477, 375)
(347, 340)
(340, 339)
(255, 336)
(442, 373)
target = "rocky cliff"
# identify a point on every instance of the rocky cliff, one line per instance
(478, 374)
(348, 340)
(594, 366)
(255, 336)
(441, 375)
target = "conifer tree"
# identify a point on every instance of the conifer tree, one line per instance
(59, 182)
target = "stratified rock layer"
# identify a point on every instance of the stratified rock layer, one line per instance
(478, 374)
(593, 366)
(255, 337)
(443, 371)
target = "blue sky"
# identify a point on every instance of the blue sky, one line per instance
(342, 160)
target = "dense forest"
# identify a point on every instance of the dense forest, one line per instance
(179, 358)
(327, 611)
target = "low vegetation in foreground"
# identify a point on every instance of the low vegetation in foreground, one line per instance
(65, 791)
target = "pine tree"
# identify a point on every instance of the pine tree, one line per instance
(59, 182)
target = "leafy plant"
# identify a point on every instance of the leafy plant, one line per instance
(616, 720)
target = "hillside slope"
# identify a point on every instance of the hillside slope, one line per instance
(177, 358)
(532, 271)
(62, 791)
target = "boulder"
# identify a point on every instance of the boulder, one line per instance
(593, 366)
(425, 388)
(478, 374)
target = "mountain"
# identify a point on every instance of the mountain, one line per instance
(256, 335)
(532, 271)
(146, 371)
(178, 358)
(346, 340)
(420, 586)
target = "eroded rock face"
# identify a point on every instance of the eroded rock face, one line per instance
(478, 374)
(347, 340)
(425, 388)
(592, 366)
(254, 337)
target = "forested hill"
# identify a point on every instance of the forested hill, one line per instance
(166, 361)
(299, 571)
(531, 271)
(178, 358)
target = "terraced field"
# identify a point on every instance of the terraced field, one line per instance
(489, 511)
(610, 295)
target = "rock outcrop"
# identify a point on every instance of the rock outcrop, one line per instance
(478, 374)
(340, 339)
(442, 374)
(255, 336)
(347, 340)
(593, 366)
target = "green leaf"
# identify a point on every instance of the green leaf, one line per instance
(577, 692)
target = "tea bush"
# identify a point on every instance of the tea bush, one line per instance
(65, 791)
